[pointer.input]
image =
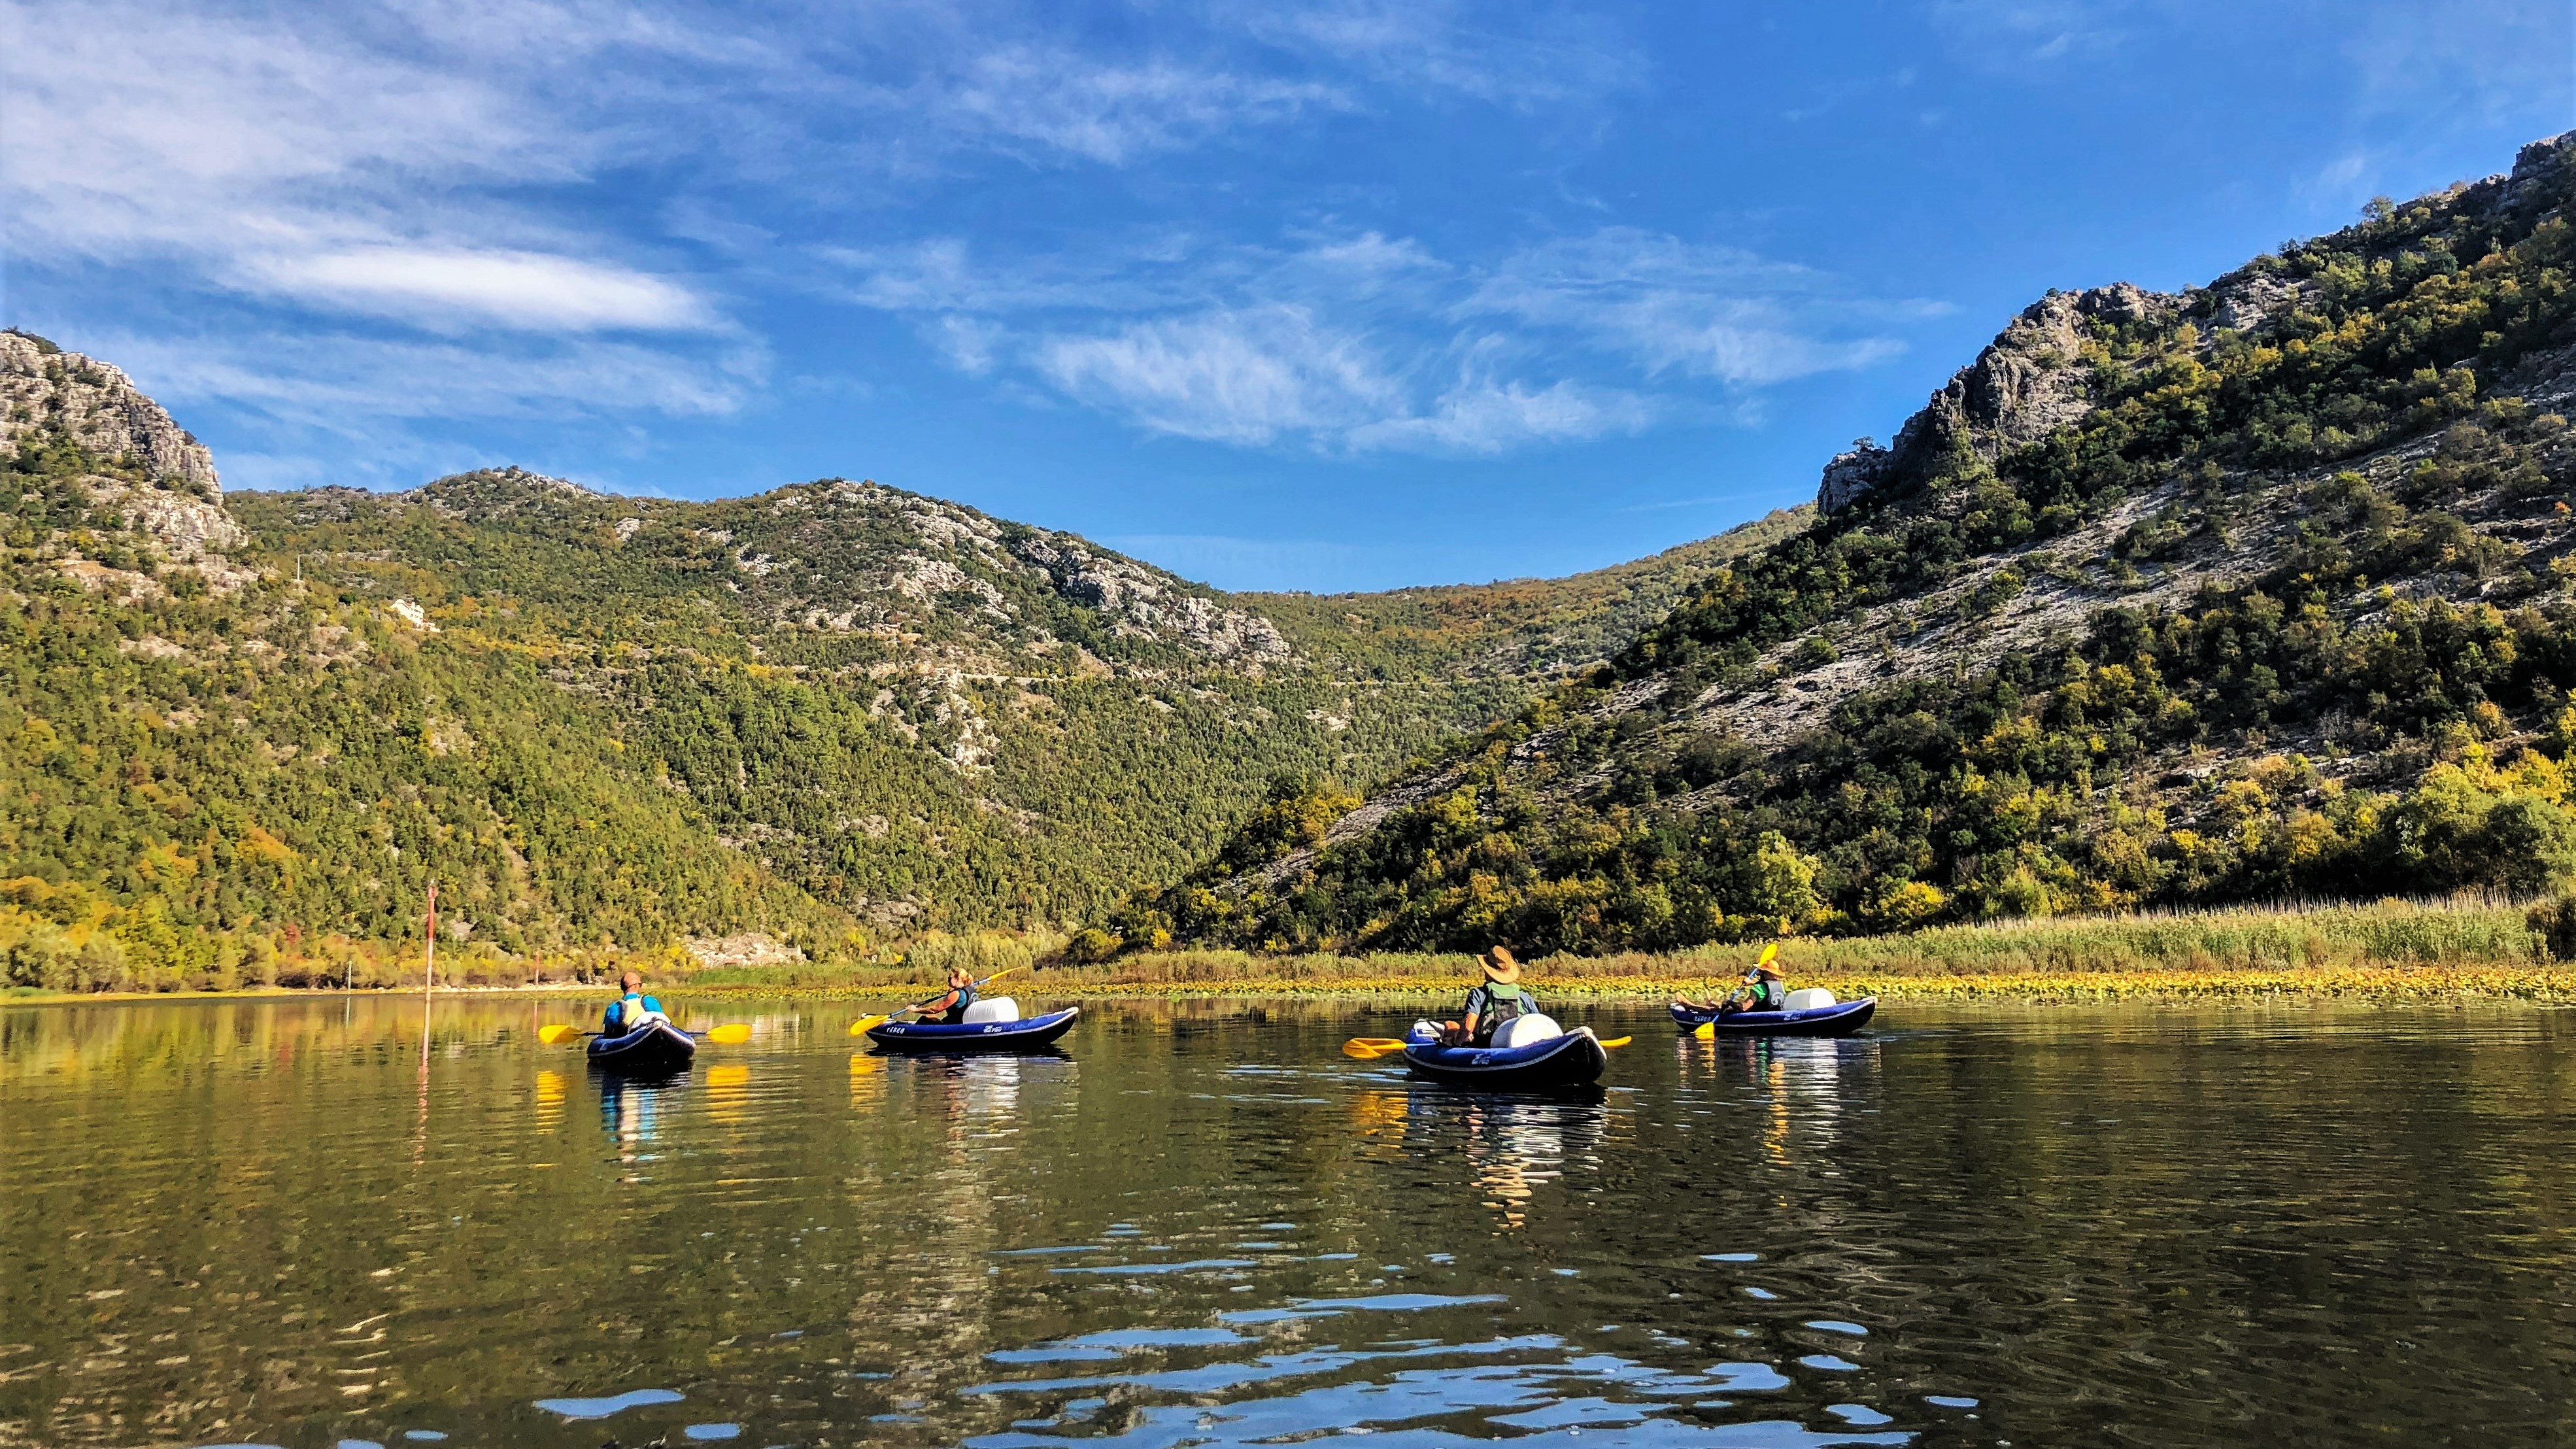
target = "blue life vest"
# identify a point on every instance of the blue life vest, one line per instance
(957, 1009)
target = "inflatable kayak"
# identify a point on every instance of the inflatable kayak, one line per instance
(656, 1048)
(1840, 1019)
(974, 1036)
(1562, 1061)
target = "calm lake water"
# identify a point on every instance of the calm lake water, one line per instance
(272, 1223)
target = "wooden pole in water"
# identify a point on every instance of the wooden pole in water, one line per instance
(429, 951)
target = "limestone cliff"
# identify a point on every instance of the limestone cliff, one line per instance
(147, 474)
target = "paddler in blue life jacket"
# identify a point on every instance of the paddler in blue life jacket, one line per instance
(632, 1009)
(951, 1008)
(1493, 1001)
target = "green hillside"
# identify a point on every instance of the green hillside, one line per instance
(2257, 591)
(242, 733)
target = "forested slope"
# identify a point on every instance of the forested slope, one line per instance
(2262, 589)
(235, 726)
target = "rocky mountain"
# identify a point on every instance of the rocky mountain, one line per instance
(2258, 589)
(824, 717)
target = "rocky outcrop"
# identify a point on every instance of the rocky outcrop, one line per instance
(1150, 602)
(188, 528)
(2029, 382)
(46, 392)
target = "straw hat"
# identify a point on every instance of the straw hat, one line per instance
(1499, 966)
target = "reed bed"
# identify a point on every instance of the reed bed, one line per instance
(2392, 950)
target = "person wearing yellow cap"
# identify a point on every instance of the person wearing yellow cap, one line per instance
(1493, 1001)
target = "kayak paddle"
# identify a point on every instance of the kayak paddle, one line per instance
(865, 1024)
(1370, 1048)
(731, 1033)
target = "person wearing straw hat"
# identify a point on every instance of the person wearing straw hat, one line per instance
(1493, 1001)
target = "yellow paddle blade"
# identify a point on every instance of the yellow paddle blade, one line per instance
(866, 1024)
(1767, 953)
(1705, 1031)
(1370, 1048)
(1617, 1041)
(554, 1032)
(731, 1033)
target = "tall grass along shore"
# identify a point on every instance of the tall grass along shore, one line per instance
(2388, 950)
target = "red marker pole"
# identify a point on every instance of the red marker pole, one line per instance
(429, 950)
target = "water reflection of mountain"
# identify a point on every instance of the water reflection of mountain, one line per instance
(2149, 1227)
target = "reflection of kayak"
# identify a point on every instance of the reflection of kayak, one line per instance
(655, 1048)
(973, 1036)
(1562, 1061)
(1840, 1019)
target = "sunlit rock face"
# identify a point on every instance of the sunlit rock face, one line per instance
(45, 391)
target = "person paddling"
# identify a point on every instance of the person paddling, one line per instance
(951, 1008)
(1764, 989)
(1495, 1000)
(632, 1009)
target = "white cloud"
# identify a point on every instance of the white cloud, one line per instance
(1226, 376)
(342, 384)
(1539, 56)
(522, 291)
(1353, 342)
(1114, 113)
(1485, 418)
(2015, 34)
(1673, 306)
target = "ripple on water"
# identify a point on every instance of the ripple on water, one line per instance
(601, 1408)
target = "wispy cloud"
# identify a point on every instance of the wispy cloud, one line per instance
(1360, 342)
(1484, 417)
(1115, 113)
(453, 170)
(1702, 310)
(1540, 56)
(2017, 34)
(1245, 376)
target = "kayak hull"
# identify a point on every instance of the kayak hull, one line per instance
(654, 1049)
(974, 1036)
(1840, 1019)
(1570, 1060)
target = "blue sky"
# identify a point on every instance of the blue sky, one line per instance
(1351, 295)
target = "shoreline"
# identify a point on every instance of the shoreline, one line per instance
(2391, 950)
(2552, 983)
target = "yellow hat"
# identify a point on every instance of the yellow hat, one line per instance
(1499, 965)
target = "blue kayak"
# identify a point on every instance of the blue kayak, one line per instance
(654, 1049)
(1565, 1061)
(974, 1036)
(1840, 1019)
